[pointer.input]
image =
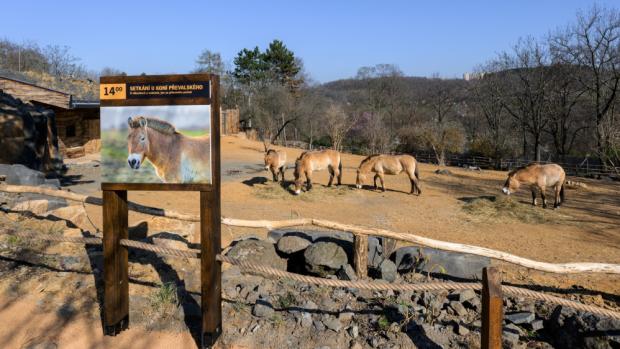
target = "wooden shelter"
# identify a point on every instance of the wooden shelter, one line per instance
(77, 121)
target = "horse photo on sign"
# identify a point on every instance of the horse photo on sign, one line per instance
(156, 144)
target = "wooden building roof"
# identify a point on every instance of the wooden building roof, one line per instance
(29, 92)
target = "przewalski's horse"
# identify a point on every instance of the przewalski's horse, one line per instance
(311, 161)
(177, 158)
(391, 165)
(275, 160)
(539, 177)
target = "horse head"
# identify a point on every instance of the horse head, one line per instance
(137, 141)
(359, 181)
(511, 185)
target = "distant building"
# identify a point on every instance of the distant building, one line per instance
(77, 121)
(472, 76)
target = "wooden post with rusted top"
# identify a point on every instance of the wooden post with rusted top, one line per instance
(492, 309)
(360, 255)
(115, 268)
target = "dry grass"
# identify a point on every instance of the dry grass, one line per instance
(275, 191)
(503, 207)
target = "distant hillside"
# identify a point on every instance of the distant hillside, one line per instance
(86, 89)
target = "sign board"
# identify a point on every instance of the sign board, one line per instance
(156, 129)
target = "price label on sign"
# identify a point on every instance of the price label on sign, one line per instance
(112, 91)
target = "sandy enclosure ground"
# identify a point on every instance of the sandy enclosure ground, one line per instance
(585, 229)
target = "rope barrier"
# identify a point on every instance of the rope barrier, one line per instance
(362, 284)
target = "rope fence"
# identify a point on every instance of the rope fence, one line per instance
(360, 284)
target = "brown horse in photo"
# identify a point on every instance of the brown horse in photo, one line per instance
(311, 161)
(538, 177)
(177, 158)
(391, 165)
(275, 161)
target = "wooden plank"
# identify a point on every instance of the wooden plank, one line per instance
(210, 236)
(360, 255)
(492, 309)
(115, 268)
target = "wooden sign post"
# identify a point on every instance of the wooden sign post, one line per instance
(171, 91)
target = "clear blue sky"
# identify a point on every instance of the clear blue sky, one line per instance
(334, 38)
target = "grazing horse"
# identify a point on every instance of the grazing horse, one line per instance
(539, 177)
(311, 161)
(391, 165)
(275, 160)
(177, 158)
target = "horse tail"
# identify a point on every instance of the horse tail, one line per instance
(562, 193)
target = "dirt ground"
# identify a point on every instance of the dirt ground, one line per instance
(585, 229)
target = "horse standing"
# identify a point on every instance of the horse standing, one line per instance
(539, 177)
(311, 161)
(275, 160)
(391, 165)
(177, 158)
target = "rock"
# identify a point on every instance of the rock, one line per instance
(170, 243)
(454, 264)
(37, 207)
(262, 308)
(458, 308)
(291, 244)
(257, 252)
(465, 295)
(473, 303)
(333, 323)
(318, 325)
(513, 328)
(375, 252)
(345, 316)
(536, 325)
(461, 330)
(324, 258)
(354, 331)
(163, 224)
(74, 214)
(72, 233)
(346, 272)
(355, 345)
(28, 137)
(443, 172)
(520, 317)
(387, 270)
(310, 305)
(306, 319)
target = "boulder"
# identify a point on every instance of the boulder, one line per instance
(324, 258)
(346, 272)
(387, 270)
(520, 317)
(427, 259)
(29, 135)
(292, 244)
(262, 308)
(257, 252)
(37, 207)
(74, 214)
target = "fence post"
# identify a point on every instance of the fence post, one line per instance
(211, 271)
(492, 309)
(360, 255)
(115, 269)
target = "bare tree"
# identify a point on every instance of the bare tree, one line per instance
(337, 124)
(593, 43)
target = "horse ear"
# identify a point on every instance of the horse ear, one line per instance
(129, 122)
(142, 122)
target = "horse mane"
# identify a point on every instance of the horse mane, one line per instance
(158, 125)
(271, 151)
(521, 168)
(370, 157)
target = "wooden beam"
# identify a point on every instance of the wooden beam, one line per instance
(115, 268)
(360, 255)
(492, 309)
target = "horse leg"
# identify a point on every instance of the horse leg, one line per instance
(274, 173)
(533, 196)
(282, 173)
(557, 202)
(337, 174)
(542, 195)
(381, 179)
(331, 176)
(308, 180)
(375, 180)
